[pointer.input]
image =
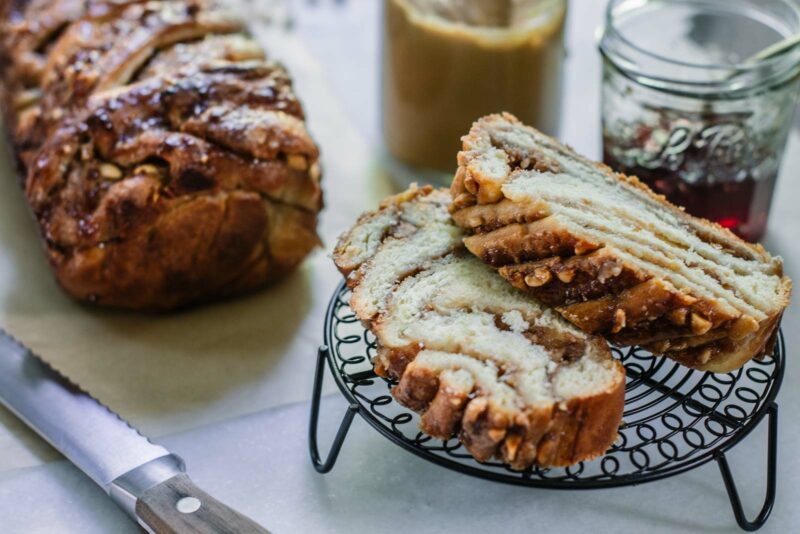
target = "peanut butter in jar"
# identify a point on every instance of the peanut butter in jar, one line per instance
(449, 62)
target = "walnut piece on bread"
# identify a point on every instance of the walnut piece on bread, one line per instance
(478, 359)
(610, 255)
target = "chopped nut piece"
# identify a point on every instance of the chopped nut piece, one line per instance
(314, 171)
(743, 327)
(679, 345)
(485, 176)
(566, 275)
(686, 299)
(582, 247)
(471, 185)
(678, 317)
(539, 277)
(609, 270)
(619, 321)
(475, 222)
(110, 171)
(87, 152)
(497, 434)
(297, 162)
(700, 325)
(511, 447)
(704, 356)
(148, 169)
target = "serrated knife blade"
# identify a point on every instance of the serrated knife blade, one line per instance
(90, 435)
(145, 479)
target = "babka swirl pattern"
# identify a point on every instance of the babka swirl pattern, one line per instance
(477, 358)
(611, 256)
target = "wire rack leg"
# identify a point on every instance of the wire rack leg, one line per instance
(772, 460)
(323, 466)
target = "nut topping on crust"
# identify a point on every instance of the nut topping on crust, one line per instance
(166, 159)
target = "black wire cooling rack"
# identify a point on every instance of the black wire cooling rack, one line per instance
(675, 419)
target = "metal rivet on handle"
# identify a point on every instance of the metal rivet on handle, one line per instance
(188, 505)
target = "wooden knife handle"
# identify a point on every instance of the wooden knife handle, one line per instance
(177, 506)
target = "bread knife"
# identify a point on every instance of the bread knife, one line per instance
(147, 481)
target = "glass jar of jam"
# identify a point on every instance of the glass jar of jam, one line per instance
(688, 110)
(448, 62)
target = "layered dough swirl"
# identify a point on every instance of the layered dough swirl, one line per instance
(479, 359)
(610, 255)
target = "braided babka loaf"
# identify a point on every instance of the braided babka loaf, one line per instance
(476, 357)
(165, 158)
(613, 257)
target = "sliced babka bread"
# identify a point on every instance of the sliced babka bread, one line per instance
(476, 357)
(613, 257)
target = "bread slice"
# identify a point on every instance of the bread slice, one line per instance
(613, 257)
(476, 357)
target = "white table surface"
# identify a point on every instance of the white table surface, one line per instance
(217, 404)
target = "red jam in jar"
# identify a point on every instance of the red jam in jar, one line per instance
(711, 168)
(688, 110)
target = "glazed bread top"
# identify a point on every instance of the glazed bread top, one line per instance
(167, 159)
(614, 257)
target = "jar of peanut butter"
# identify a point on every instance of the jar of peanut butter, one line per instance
(449, 62)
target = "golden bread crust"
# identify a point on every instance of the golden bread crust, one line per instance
(166, 160)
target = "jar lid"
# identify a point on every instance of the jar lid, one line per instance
(500, 23)
(701, 47)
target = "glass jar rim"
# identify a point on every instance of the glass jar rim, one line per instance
(544, 13)
(732, 78)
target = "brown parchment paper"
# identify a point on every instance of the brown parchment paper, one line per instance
(168, 373)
